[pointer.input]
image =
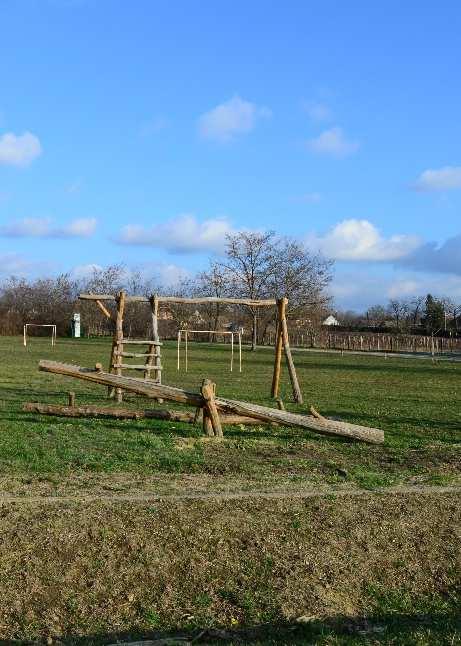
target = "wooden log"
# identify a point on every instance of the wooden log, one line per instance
(104, 309)
(132, 384)
(281, 306)
(156, 340)
(154, 390)
(268, 302)
(58, 410)
(284, 418)
(140, 342)
(104, 411)
(134, 355)
(209, 410)
(132, 366)
(119, 339)
(297, 395)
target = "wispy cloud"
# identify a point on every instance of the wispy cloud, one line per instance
(19, 150)
(44, 228)
(318, 111)
(183, 234)
(333, 142)
(447, 178)
(358, 291)
(231, 119)
(14, 264)
(360, 240)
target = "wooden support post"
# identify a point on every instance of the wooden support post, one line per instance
(119, 338)
(72, 399)
(291, 366)
(281, 306)
(156, 338)
(104, 309)
(210, 412)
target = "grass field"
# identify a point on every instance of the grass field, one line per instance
(360, 568)
(417, 404)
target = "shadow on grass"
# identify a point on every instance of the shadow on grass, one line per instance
(392, 628)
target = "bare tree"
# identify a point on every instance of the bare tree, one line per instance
(249, 266)
(399, 310)
(213, 282)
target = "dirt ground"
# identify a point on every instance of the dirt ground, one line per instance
(92, 571)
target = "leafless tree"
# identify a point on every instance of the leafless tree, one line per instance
(399, 311)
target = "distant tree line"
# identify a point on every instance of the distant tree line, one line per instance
(254, 266)
(417, 315)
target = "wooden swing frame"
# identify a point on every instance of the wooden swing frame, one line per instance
(282, 342)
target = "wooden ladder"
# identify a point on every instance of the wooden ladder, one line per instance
(151, 355)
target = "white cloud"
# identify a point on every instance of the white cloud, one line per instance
(318, 111)
(83, 272)
(359, 240)
(333, 142)
(43, 228)
(13, 264)
(447, 178)
(359, 290)
(19, 150)
(230, 119)
(183, 234)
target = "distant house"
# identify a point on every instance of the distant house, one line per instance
(331, 320)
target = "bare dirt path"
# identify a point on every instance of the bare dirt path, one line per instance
(233, 495)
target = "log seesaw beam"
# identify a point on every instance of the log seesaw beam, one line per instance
(104, 412)
(263, 413)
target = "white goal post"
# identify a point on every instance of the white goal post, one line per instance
(217, 332)
(53, 331)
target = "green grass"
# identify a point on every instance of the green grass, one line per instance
(417, 403)
(359, 569)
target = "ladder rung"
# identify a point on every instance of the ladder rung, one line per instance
(138, 342)
(127, 366)
(135, 354)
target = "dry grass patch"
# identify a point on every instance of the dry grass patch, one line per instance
(97, 570)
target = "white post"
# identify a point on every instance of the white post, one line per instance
(25, 335)
(179, 341)
(185, 341)
(240, 350)
(232, 352)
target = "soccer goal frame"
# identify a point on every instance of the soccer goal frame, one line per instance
(51, 325)
(186, 333)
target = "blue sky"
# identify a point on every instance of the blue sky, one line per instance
(142, 132)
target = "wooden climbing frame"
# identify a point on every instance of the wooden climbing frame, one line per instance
(282, 343)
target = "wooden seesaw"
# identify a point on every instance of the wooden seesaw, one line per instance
(215, 410)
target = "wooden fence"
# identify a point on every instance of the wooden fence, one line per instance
(368, 342)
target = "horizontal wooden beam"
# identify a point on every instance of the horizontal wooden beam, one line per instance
(269, 302)
(125, 413)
